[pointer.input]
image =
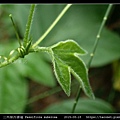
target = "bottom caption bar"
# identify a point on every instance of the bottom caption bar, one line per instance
(60, 116)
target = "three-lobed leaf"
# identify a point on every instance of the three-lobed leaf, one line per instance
(65, 60)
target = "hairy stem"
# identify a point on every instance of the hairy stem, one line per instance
(93, 51)
(28, 25)
(52, 25)
(7, 62)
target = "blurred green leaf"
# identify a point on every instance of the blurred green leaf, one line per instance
(13, 91)
(84, 106)
(34, 67)
(39, 70)
(81, 23)
(66, 60)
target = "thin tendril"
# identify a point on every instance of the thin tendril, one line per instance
(52, 25)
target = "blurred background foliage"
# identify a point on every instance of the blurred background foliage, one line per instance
(29, 85)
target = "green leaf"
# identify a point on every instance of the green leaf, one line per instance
(62, 73)
(39, 70)
(84, 106)
(13, 91)
(66, 60)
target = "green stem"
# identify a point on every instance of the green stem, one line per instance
(11, 60)
(28, 25)
(45, 94)
(98, 35)
(52, 25)
(76, 100)
(42, 49)
(93, 51)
